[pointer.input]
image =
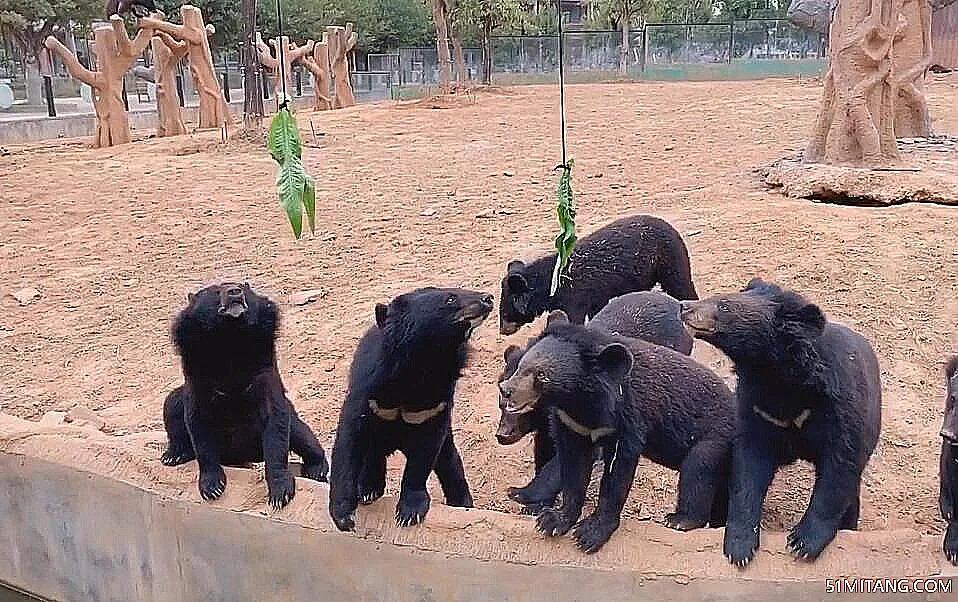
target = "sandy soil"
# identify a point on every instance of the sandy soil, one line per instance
(113, 239)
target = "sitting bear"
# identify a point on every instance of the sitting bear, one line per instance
(807, 389)
(948, 498)
(648, 315)
(233, 407)
(631, 254)
(401, 385)
(633, 399)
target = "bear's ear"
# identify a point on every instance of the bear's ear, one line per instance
(557, 316)
(615, 360)
(806, 320)
(517, 284)
(515, 266)
(190, 297)
(757, 285)
(510, 351)
(382, 310)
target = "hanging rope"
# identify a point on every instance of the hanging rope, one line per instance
(279, 52)
(565, 207)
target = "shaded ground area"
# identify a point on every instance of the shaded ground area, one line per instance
(114, 238)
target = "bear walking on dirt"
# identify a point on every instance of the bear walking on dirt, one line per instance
(630, 254)
(948, 498)
(633, 399)
(401, 386)
(648, 315)
(233, 407)
(807, 389)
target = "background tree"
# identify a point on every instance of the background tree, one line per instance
(224, 15)
(622, 15)
(484, 17)
(29, 22)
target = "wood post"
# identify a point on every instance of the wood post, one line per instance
(291, 54)
(318, 65)
(115, 52)
(911, 59)
(167, 53)
(341, 41)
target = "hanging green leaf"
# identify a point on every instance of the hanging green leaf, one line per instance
(295, 188)
(565, 210)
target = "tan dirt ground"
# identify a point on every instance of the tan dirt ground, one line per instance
(114, 239)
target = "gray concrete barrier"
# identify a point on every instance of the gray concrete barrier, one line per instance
(87, 516)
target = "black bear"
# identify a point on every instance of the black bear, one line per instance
(401, 385)
(633, 399)
(233, 407)
(630, 254)
(648, 315)
(140, 8)
(808, 388)
(948, 498)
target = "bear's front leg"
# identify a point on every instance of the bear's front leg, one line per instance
(267, 391)
(421, 454)
(592, 533)
(753, 467)
(575, 461)
(452, 475)
(835, 490)
(542, 490)
(349, 452)
(212, 482)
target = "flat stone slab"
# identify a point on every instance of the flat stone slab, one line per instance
(928, 173)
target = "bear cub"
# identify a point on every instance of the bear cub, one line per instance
(948, 498)
(631, 398)
(232, 408)
(630, 254)
(808, 389)
(401, 387)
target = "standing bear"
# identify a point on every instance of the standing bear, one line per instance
(630, 254)
(648, 315)
(233, 408)
(807, 389)
(948, 498)
(401, 386)
(632, 399)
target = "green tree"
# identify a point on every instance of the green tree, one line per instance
(224, 15)
(29, 22)
(485, 16)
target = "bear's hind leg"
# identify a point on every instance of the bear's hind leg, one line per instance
(701, 472)
(179, 449)
(452, 475)
(372, 476)
(835, 485)
(542, 490)
(304, 444)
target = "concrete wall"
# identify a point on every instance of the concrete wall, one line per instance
(98, 518)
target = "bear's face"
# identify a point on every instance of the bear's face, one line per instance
(434, 315)
(949, 428)
(512, 427)
(761, 321)
(229, 306)
(515, 305)
(569, 366)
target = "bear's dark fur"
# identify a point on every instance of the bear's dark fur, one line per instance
(233, 407)
(633, 399)
(648, 315)
(630, 254)
(807, 389)
(948, 498)
(140, 8)
(401, 385)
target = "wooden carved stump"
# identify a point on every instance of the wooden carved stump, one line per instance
(214, 112)
(856, 125)
(341, 41)
(318, 65)
(167, 53)
(114, 52)
(911, 59)
(291, 54)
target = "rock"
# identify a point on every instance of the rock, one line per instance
(670, 147)
(693, 232)
(427, 212)
(507, 211)
(82, 416)
(486, 214)
(508, 174)
(304, 297)
(53, 418)
(26, 296)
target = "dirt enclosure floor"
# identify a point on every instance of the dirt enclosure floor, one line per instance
(407, 195)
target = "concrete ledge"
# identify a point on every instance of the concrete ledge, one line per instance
(87, 516)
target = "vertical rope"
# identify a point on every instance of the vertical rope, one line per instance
(561, 84)
(279, 51)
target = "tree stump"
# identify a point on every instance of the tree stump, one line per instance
(856, 124)
(318, 65)
(912, 57)
(341, 41)
(167, 53)
(115, 52)
(291, 53)
(214, 112)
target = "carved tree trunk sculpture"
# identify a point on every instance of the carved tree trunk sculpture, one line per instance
(912, 57)
(213, 109)
(115, 52)
(856, 124)
(318, 65)
(291, 53)
(439, 17)
(341, 41)
(167, 53)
